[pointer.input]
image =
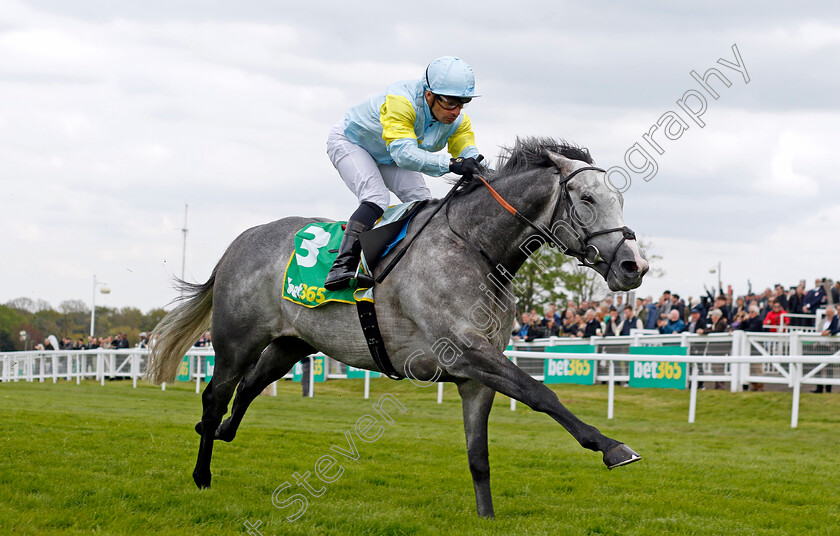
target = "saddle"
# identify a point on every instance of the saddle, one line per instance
(389, 231)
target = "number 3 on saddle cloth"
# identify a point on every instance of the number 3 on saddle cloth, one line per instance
(316, 247)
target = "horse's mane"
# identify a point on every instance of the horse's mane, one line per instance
(528, 153)
(533, 152)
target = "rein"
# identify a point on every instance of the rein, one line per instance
(580, 254)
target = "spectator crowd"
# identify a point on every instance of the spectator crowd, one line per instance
(763, 312)
(111, 342)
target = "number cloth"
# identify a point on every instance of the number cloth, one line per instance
(303, 282)
(316, 246)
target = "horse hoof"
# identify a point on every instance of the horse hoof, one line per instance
(202, 481)
(620, 455)
(199, 428)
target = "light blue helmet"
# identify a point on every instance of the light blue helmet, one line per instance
(451, 77)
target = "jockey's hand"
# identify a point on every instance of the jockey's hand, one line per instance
(467, 167)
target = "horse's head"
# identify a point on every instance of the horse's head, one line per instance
(563, 200)
(588, 224)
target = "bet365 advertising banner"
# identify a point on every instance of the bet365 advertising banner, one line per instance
(565, 370)
(355, 373)
(209, 367)
(184, 369)
(658, 373)
(318, 370)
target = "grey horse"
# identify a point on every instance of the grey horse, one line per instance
(445, 311)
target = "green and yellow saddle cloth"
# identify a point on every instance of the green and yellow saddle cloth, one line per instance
(316, 247)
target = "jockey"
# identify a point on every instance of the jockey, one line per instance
(386, 142)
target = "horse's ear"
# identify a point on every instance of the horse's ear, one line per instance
(565, 165)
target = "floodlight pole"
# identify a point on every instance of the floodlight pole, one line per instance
(105, 290)
(93, 306)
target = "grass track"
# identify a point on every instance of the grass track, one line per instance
(114, 460)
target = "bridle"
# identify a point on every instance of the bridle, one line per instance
(584, 246)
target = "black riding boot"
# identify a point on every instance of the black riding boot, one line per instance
(347, 261)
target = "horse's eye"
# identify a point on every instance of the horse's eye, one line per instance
(587, 198)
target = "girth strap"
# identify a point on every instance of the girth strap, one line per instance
(373, 337)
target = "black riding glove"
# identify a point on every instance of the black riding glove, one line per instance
(467, 167)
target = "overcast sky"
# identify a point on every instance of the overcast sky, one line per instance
(114, 115)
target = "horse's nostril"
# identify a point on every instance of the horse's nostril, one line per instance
(630, 267)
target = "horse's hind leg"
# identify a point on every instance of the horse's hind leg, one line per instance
(477, 401)
(275, 361)
(232, 361)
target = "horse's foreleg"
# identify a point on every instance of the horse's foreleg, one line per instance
(275, 361)
(487, 365)
(477, 401)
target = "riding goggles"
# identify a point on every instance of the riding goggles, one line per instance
(450, 103)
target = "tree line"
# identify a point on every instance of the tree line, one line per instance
(38, 320)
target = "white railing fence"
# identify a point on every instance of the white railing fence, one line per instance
(790, 368)
(789, 359)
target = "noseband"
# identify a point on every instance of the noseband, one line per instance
(581, 254)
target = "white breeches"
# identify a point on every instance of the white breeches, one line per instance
(369, 180)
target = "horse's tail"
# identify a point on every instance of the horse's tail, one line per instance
(179, 329)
